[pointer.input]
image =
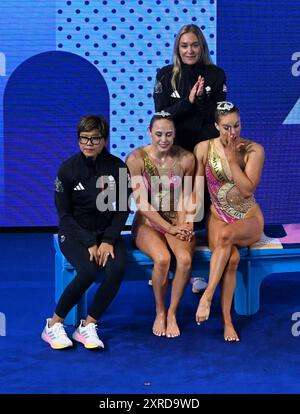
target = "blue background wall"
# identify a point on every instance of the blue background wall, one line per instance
(103, 59)
(256, 43)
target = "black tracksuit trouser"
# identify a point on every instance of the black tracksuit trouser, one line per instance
(87, 272)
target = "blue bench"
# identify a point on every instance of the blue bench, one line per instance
(271, 255)
(279, 254)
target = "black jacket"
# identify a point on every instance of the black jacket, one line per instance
(78, 185)
(194, 122)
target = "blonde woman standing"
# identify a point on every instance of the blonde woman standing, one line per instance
(190, 88)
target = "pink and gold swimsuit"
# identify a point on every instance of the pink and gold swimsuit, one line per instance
(164, 189)
(224, 194)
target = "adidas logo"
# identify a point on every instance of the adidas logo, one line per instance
(79, 187)
(175, 94)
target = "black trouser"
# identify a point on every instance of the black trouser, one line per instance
(87, 272)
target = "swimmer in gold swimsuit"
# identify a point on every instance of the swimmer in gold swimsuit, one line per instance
(160, 227)
(232, 166)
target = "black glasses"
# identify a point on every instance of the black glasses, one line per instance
(93, 140)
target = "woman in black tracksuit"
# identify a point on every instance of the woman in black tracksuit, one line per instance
(190, 88)
(91, 218)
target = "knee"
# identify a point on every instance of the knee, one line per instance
(115, 268)
(184, 260)
(162, 261)
(234, 260)
(225, 237)
(88, 272)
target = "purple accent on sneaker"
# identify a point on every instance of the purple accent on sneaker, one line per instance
(79, 338)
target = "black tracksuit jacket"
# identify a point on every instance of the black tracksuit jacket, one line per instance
(79, 182)
(194, 122)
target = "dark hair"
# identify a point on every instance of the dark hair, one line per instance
(224, 108)
(89, 122)
(160, 115)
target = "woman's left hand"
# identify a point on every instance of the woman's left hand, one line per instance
(197, 90)
(188, 234)
(200, 86)
(104, 251)
(231, 146)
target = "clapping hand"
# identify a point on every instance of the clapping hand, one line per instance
(197, 89)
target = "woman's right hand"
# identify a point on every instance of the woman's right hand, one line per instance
(197, 90)
(93, 253)
(181, 231)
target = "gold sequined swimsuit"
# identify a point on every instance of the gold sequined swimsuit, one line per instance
(164, 188)
(225, 196)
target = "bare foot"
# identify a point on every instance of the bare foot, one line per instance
(203, 310)
(160, 325)
(230, 333)
(172, 327)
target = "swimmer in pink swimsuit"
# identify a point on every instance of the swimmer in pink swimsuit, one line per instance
(232, 166)
(160, 227)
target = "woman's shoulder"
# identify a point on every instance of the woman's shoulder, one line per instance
(136, 154)
(72, 162)
(164, 71)
(116, 161)
(250, 143)
(249, 146)
(215, 70)
(179, 152)
(182, 156)
(201, 147)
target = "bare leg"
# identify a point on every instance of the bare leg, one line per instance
(160, 280)
(154, 245)
(183, 252)
(222, 237)
(221, 250)
(228, 282)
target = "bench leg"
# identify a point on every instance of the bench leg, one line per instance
(247, 292)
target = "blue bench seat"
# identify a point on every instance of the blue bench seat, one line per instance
(270, 255)
(279, 253)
